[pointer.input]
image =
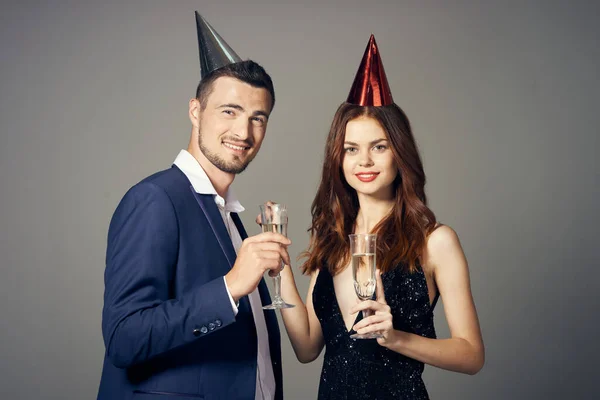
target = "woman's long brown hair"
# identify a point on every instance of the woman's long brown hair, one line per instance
(402, 233)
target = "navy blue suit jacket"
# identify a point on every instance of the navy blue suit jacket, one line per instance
(168, 325)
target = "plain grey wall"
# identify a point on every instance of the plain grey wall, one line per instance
(503, 98)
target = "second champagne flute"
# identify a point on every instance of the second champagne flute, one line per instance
(363, 248)
(274, 218)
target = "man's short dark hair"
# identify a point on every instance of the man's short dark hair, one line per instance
(246, 71)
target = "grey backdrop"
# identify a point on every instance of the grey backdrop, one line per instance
(503, 97)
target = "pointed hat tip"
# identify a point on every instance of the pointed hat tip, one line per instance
(214, 52)
(370, 87)
(372, 43)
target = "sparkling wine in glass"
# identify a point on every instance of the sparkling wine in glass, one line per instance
(364, 264)
(274, 219)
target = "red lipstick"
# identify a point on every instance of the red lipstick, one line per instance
(367, 177)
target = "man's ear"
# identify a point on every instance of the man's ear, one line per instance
(194, 112)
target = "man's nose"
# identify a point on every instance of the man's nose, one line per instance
(242, 129)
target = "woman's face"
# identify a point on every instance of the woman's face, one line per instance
(368, 162)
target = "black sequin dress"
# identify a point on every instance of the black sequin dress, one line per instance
(362, 369)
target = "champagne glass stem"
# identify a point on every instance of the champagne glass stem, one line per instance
(277, 283)
(274, 219)
(367, 313)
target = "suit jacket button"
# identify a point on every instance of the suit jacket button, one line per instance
(196, 332)
(204, 329)
(218, 323)
(211, 326)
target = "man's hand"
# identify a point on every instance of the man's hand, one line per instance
(260, 253)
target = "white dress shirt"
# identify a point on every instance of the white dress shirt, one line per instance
(265, 379)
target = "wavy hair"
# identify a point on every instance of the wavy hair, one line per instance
(402, 233)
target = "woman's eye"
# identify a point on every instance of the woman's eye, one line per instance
(350, 150)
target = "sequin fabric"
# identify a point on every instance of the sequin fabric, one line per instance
(362, 369)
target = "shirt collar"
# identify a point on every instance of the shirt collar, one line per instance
(202, 184)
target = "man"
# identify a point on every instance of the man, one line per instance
(183, 314)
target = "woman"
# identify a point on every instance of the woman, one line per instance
(373, 182)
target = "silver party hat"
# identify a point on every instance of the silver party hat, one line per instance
(214, 51)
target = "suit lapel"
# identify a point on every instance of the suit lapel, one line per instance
(270, 316)
(238, 224)
(215, 220)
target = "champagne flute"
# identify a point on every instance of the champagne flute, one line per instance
(363, 248)
(274, 218)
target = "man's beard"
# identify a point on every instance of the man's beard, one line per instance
(231, 167)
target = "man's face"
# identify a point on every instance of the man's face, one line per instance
(233, 124)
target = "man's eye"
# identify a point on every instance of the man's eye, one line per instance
(258, 120)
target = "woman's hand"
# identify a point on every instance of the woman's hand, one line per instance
(380, 316)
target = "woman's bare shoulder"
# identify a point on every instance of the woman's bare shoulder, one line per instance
(440, 243)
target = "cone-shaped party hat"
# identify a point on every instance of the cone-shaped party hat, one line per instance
(370, 87)
(214, 51)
